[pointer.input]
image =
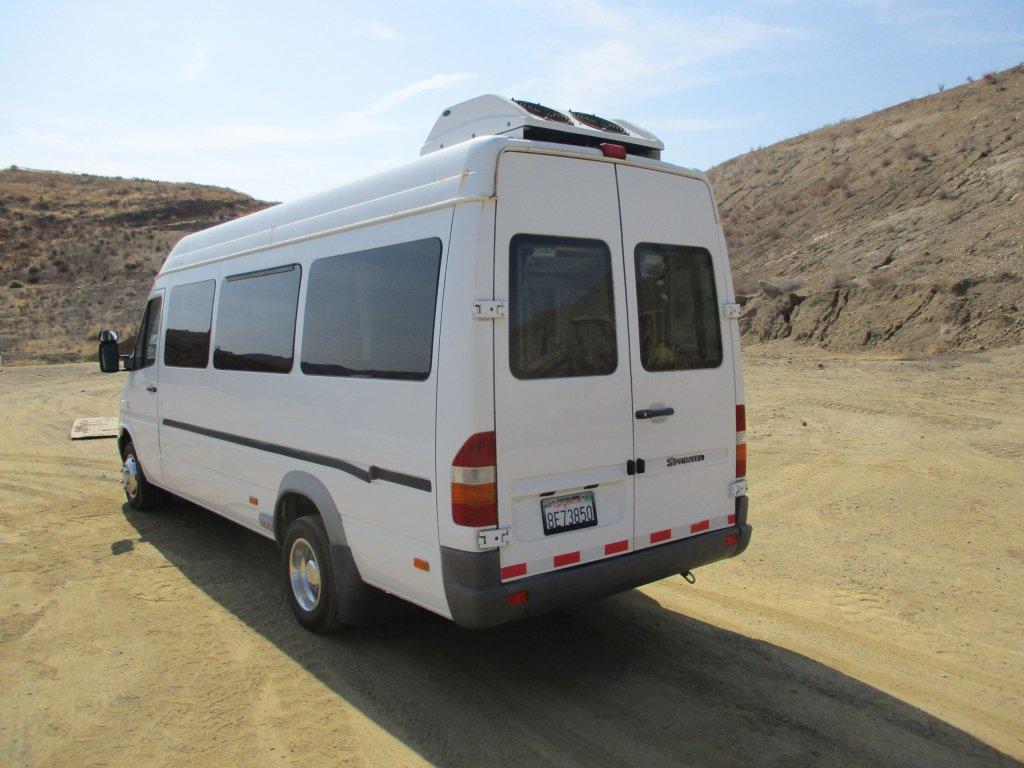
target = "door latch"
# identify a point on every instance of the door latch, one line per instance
(494, 537)
(732, 311)
(635, 466)
(739, 488)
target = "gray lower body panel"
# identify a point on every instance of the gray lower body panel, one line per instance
(477, 598)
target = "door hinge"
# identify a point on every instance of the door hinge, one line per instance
(732, 311)
(494, 537)
(485, 309)
(739, 488)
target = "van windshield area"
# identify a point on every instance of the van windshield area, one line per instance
(677, 308)
(562, 309)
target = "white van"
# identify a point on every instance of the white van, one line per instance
(499, 380)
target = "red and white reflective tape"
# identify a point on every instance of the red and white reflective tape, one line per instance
(564, 560)
(577, 557)
(682, 532)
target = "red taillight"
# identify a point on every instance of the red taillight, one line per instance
(474, 490)
(612, 150)
(518, 598)
(477, 451)
(731, 539)
(741, 441)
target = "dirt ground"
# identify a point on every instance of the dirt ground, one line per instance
(876, 618)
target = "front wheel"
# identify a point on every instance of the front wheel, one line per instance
(309, 574)
(138, 491)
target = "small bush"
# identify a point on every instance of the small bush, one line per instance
(965, 145)
(838, 281)
(15, 283)
(879, 279)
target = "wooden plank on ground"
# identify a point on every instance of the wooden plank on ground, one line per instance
(94, 426)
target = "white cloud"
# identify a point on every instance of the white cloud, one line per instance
(394, 98)
(358, 123)
(196, 58)
(620, 58)
(378, 30)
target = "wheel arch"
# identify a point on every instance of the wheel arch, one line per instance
(123, 438)
(300, 494)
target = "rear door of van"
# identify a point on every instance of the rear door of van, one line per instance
(684, 391)
(563, 417)
(614, 391)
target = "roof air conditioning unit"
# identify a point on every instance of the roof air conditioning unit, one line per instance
(497, 116)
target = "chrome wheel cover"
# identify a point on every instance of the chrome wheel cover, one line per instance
(130, 476)
(304, 574)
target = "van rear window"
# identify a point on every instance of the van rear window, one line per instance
(371, 313)
(677, 308)
(562, 309)
(256, 321)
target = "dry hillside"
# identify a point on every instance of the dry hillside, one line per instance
(901, 231)
(78, 253)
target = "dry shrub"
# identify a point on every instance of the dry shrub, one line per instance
(837, 281)
(879, 279)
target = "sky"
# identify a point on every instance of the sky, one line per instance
(282, 100)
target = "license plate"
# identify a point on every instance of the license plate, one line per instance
(568, 513)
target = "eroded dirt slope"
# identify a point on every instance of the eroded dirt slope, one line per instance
(78, 253)
(900, 231)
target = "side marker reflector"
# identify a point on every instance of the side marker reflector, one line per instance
(420, 563)
(518, 598)
(731, 539)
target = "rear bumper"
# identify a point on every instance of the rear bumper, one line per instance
(477, 598)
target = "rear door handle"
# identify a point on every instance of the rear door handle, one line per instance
(151, 388)
(653, 413)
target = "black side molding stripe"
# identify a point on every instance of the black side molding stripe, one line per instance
(390, 476)
(374, 473)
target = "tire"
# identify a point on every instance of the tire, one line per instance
(140, 494)
(309, 575)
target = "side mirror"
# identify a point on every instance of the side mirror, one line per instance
(110, 359)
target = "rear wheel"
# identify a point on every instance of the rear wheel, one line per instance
(138, 491)
(309, 575)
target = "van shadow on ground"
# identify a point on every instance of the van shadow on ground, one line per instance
(618, 682)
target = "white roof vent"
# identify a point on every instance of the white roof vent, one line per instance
(495, 115)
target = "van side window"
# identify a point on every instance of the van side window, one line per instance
(677, 307)
(189, 314)
(256, 320)
(562, 309)
(371, 313)
(149, 335)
